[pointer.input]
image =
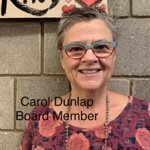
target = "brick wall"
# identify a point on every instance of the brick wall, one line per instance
(29, 64)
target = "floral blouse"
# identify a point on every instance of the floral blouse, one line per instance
(129, 131)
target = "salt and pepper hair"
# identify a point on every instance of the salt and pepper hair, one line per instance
(83, 14)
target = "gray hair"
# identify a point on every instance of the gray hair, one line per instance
(83, 14)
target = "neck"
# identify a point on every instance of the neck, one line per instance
(98, 97)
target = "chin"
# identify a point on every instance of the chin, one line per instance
(90, 85)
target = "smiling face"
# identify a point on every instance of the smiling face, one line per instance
(88, 72)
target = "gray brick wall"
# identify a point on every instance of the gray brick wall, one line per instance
(141, 7)
(30, 66)
(119, 7)
(20, 48)
(133, 47)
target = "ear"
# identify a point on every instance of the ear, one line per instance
(61, 58)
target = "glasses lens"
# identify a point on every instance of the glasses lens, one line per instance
(103, 49)
(75, 51)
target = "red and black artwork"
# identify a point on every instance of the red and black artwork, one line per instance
(88, 2)
(44, 8)
(24, 7)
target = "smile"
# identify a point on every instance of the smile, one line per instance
(89, 71)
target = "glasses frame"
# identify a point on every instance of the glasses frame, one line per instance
(89, 47)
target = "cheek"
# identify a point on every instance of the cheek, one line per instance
(67, 64)
(64, 61)
(70, 65)
(108, 62)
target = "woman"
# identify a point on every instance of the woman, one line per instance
(95, 118)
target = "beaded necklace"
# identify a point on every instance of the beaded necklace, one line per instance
(106, 125)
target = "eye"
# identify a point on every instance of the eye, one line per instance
(75, 49)
(102, 47)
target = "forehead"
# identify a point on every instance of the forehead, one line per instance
(88, 31)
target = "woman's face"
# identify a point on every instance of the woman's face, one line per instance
(88, 72)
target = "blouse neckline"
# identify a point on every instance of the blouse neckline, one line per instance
(129, 103)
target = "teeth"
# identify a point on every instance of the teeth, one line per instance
(89, 71)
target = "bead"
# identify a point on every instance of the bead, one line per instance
(66, 126)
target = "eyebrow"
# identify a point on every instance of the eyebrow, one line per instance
(104, 40)
(80, 42)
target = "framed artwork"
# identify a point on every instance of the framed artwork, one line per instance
(44, 8)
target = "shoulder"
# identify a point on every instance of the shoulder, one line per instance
(142, 127)
(40, 117)
(140, 104)
(38, 113)
(41, 109)
(141, 109)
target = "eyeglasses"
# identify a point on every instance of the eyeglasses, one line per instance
(101, 49)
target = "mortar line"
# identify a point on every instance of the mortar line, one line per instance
(42, 47)
(33, 75)
(29, 20)
(132, 76)
(15, 99)
(11, 130)
(141, 17)
(135, 17)
(131, 86)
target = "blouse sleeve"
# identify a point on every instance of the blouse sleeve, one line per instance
(26, 142)
(31, 128)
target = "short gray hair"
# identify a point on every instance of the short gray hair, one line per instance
(83, 14)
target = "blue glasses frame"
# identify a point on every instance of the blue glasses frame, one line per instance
(67, 47)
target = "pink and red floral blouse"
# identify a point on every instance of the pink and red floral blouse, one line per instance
(129, 131)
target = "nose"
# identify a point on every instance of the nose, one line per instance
(90, 56)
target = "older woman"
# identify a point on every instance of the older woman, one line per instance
(90, 117)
